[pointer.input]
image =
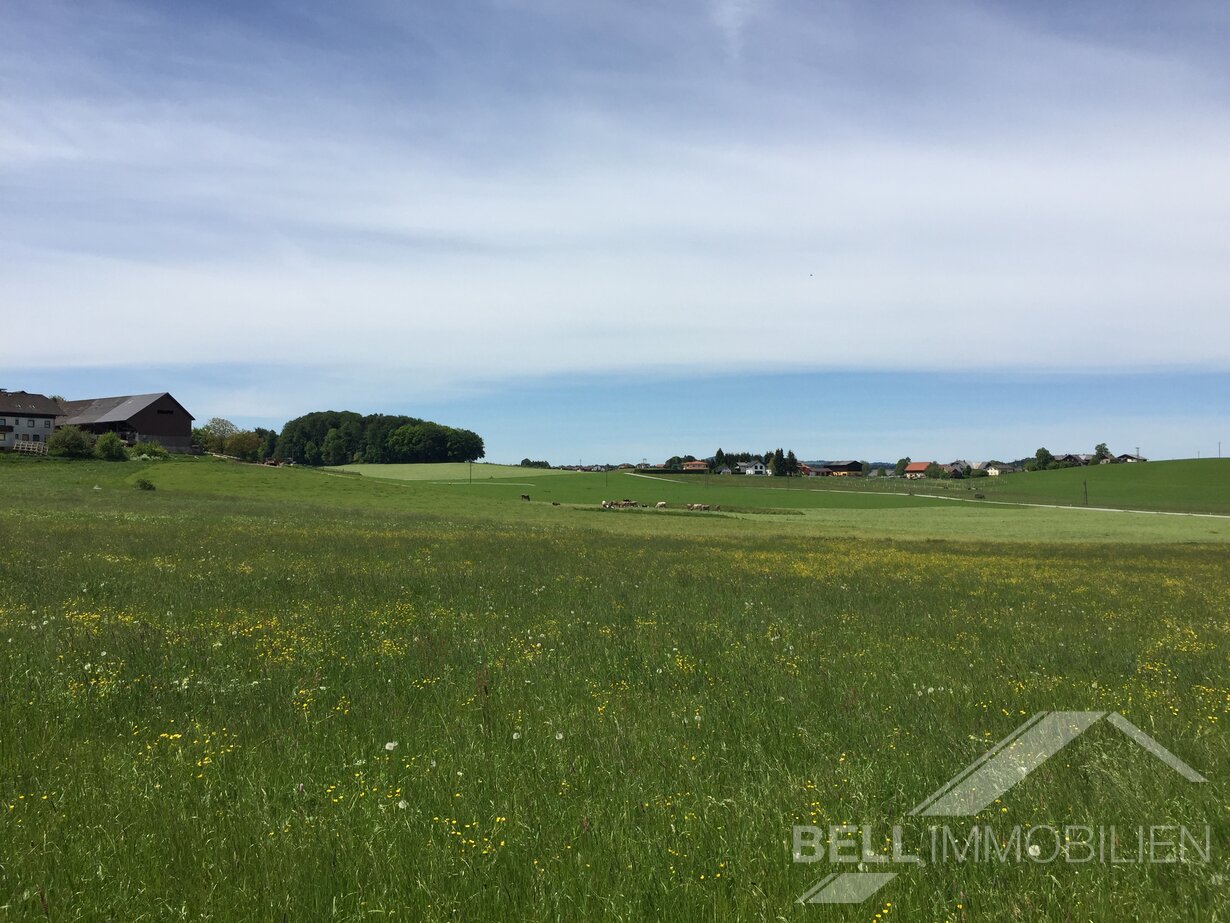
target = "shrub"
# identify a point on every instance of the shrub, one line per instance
(143, 484)
(110, 448)
(152, 449)
(70, 442)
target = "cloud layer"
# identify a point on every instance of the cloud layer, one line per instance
(433, 195)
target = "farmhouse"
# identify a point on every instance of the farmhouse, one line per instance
(995, 469)
(26, 420)
(700, 466)
(916, 471)
(754, 468)
(1126, 457)
(845, 469)
(135, 417)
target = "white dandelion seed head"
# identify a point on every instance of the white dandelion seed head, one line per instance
(403, 804)
(391, 745)
(559, 735)
(516, 735)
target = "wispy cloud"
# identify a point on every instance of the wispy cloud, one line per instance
(428, 195)
(732, 18)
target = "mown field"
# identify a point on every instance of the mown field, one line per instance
(299, 695)
(1186, 485)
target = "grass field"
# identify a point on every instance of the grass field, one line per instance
(1187, 486)
(291, 694)
(449, 471)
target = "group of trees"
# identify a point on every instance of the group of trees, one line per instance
(223, 437)
(341, 437)
(782, 464)
(1043, 460)
(74, 442)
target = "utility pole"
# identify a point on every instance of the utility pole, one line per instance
(1086, 493)
(471, 473)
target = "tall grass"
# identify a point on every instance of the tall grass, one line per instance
(248, 709)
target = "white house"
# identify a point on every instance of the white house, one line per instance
(756, 469)
(26, 421)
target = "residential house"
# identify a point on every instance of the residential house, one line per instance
(26, 421)
(916, 471)
(698, 466)
(753, 469)
(1128, 458)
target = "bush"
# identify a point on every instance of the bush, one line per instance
(70, 442)
(110, 448)
(143, 484)
(152, 449)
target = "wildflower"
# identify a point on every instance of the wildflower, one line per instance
(403, 804)
(516, 735)
(391, 745)
(559, 735)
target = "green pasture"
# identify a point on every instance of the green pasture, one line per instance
(1186, 485)
(448, 471)
(290, 694)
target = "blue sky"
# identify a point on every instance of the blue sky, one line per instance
(619, 230)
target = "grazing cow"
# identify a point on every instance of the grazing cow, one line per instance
(718, 508)
(555, 503)
(661, 504)
(525, 497)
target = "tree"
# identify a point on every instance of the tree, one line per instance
(70, 442)
(245, 445)
(1044, 459)
(899, 468)
(333, 452)
(269, 442)
(934, 471)
(110, 447)
(779, 463)
(215, 433)
(1101, 453)
(792, 464)
(719, 458)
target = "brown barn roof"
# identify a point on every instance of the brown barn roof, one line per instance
(22, 402)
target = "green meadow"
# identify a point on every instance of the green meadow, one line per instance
(294, 694)
(1185, 486)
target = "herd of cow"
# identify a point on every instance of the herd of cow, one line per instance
(633, 505)
(660, 505)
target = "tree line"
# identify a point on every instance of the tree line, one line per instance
(343, 437)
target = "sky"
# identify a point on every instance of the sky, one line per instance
(615, 230)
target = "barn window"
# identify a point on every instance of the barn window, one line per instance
(46, 424)
(167, 412)
(30, 423)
